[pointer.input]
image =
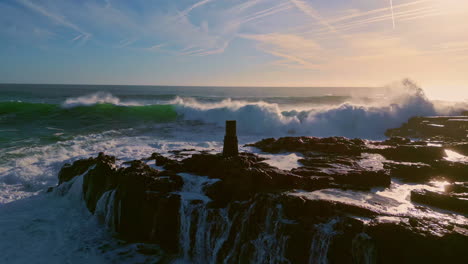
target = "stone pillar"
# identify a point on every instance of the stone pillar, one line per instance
(230, 139)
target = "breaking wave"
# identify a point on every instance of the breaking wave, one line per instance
(403, 100)
(262, 117)
(18, 112)
(96, 98)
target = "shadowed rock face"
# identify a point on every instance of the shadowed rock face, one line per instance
(139, 199)
(457, 203)
(410, 240)
(242, 210)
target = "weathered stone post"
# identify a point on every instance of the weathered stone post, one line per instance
(230, 139)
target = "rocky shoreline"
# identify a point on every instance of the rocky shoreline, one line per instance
(336, 207)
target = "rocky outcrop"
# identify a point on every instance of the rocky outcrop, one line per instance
(443, 127)
(210, 208)
(441, 200)
(410, 240)
(135, 200)
(334, 145)
(411, 153)
(459, 187)
(100, 178)
(422, 172)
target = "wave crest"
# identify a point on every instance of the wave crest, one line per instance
(405, 100)
(96, 98)
(369, 119)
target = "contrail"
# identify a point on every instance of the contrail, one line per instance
(393, 15)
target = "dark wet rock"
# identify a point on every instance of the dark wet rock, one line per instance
(179, 151)
(99, 176)
(337, 145)
(461, 148)
(299, 207)
(421, 172)
(411, 172)
(255, 212)
(440, 200)
(145, 216)
(149, 249)
(344, 170)
(408, 153)
(145, 207)
(161, 160)
(451, 171)
(241, 176)
(311, 172)
(364, 179)
(426, 241)
(99, 179)
(363, 249)
(461, 187)
(444, 127)
(69, 171)
(395, 141)
(328, 161)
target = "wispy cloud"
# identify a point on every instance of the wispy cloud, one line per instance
(414, 13)
(310, 11)
(266, 12)
(292, 48)
(57, 18)
(156, 47)
(293, 34)
(194, 6)
(402, 12)
(360, 14)
(126, 42)
(393, 15)
(205, 40)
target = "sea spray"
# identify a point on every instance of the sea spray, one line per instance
(321, 242)
(96, 98)
(270, 245)
(193, 208)
(351, 120)
(105, 210)
(99, 111)
(210, 234)
(363, 249)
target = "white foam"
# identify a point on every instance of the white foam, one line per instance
(96, 98)
(49, 229)
(350, 120)
(58, 228)
(25, 171)
(286, 161)
(455, 157)
(393, 200)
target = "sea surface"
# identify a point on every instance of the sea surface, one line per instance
(43, 127)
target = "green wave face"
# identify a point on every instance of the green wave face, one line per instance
(22, 121)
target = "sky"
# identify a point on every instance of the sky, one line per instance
(236, 42)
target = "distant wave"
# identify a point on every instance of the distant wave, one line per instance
(96, 98)
(404, 100)
(370, 120)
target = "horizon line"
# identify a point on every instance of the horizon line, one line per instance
(175, 85)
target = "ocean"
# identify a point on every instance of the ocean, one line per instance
(42, 127)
